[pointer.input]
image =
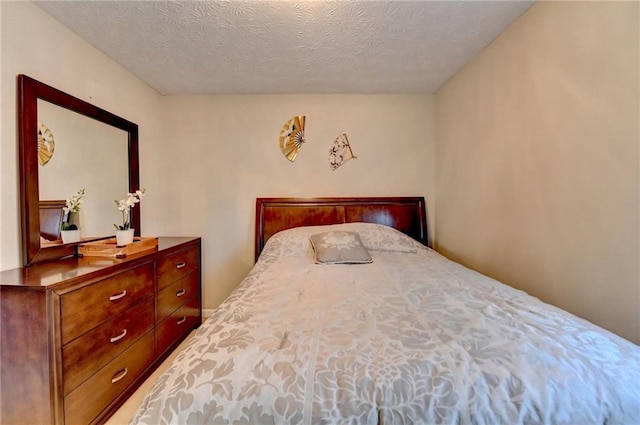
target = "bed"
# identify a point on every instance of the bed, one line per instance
(407, 338)
(51, 218)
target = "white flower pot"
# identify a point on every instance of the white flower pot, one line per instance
(124, 237)
(70, 236)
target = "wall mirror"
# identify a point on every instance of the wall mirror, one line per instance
(85, 147)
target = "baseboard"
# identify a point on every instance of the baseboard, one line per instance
(206, 312)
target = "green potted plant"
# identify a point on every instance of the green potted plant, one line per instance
(69, 230)
(124, 232)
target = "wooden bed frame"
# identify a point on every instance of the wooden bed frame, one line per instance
(407, 214)
(51, 216)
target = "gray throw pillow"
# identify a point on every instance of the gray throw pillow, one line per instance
(339, 248)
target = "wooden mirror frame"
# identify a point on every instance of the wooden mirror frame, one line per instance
(29, 91)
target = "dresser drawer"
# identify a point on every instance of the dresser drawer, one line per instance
(84, 403)
(178, 323)
(177, 293)
(85, 308)
(177, 266)
(90, 352)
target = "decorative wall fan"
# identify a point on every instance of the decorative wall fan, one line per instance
(340, 152)
(46, 144)
(292, 137)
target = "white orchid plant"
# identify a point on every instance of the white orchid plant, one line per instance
(125, 206)
(72, 205)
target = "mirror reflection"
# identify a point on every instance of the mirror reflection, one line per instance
(82, 147)
(82, 153)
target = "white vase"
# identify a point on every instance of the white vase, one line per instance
(124, 237)
(70, 236)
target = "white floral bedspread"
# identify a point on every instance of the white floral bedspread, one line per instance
(411, 338)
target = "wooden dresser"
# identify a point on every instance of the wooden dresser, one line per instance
(78, 336)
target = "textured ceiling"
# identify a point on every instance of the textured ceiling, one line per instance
(284, 46)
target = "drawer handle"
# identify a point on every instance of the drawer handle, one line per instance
(181, 320)
(119, 337)
(119, 375)
(181, 292)
(180, 265)
(116, 297)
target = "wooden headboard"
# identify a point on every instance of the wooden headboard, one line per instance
(407, 214)
(51, 216)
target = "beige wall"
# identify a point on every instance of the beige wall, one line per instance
(205, 159)
(36, 45)
(235, 141)
(538, 160)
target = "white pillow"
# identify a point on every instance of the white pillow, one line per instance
(378, 237)
(375, 237)
(339, 247)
